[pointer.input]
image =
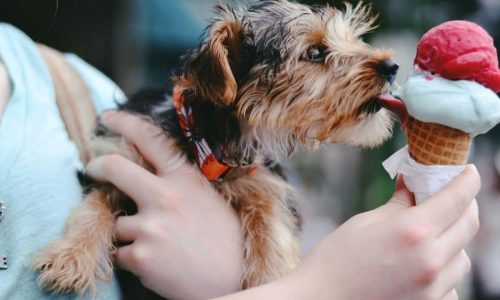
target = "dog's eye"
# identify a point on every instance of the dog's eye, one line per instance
(316, 54)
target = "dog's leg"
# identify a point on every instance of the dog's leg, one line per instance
(83, 255)
(270, 226)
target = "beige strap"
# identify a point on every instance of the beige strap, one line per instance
(73, 99)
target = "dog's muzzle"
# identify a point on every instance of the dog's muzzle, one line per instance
(388, 70)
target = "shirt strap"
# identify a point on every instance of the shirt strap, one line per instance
(73, 100)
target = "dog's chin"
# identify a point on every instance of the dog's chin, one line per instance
(369, 131)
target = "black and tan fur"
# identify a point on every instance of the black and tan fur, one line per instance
(265, 81)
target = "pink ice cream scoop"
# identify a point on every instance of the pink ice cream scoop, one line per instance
(460, 50)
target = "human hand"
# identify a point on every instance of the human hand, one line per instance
(185, 240)
(398, 251)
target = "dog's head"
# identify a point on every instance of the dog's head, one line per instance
(294, 74)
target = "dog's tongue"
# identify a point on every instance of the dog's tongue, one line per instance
(396, 106)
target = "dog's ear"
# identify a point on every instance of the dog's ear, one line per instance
(210, 70)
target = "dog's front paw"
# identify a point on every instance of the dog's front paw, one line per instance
(69, 266)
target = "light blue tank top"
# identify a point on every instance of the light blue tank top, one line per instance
(38, 163)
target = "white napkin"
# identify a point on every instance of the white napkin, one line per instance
(422, 180)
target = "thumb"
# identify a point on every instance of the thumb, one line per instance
(402, 196)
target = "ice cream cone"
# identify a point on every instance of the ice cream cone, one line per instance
(434, 144)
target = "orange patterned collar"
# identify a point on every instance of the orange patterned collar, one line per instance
(207, 161)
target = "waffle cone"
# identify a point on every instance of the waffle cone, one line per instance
(434, 144)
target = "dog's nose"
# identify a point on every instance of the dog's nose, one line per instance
(388, 69)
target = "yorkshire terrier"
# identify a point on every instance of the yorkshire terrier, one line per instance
(265, 81)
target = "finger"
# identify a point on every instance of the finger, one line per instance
(402, 195)
(448, 205)
(459, 235)
(401, 199)
(452, 295)
(127, 176)
(126, 229)
(151, 141)
(452, 274)
(125, 258)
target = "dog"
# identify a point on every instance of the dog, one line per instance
(266, 80)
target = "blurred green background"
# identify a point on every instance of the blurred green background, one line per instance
(138, 42)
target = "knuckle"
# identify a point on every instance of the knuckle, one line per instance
(430, 268)
(170, 200)
(141, 259)
(161, 192)
(413, 234)
(138, 255)
(174, 205)
(428, 274)
(148, 228)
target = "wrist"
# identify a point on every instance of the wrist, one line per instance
(307, 283)
(318, 279)
(290, 287)
(301, 284)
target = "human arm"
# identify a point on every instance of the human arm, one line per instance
(397, 251)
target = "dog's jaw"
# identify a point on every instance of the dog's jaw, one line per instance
(369, 131)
